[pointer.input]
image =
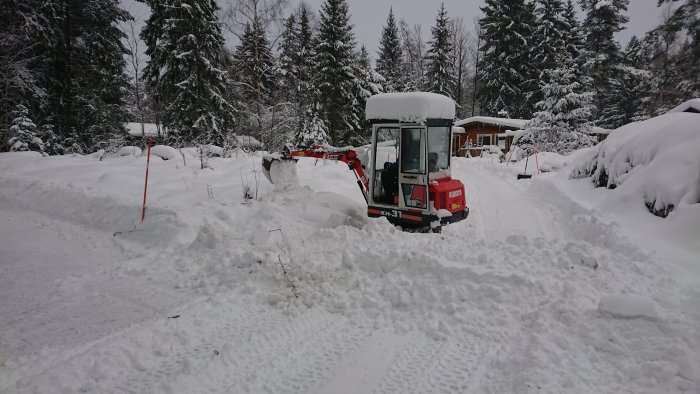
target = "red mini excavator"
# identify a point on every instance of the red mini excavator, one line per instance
(404, 174)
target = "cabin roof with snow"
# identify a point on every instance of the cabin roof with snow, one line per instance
(413, 107)
(502, 122)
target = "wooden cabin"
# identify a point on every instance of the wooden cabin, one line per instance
(472, 136)
(484, 131)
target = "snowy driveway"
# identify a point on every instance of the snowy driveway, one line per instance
(506, 301)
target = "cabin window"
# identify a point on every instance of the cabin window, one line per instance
(502, 141)
(483, 139)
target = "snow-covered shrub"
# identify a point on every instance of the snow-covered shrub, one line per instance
(23, 134)
(656, 161)
(52, 144)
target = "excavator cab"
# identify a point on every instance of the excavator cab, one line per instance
(409, 175)
(404, 173)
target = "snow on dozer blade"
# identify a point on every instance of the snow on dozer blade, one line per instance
(280, 169)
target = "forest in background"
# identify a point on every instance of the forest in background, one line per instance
(73, 72)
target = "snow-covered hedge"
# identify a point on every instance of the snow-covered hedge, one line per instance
(657, 160)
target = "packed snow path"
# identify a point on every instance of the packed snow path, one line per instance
(532, 293)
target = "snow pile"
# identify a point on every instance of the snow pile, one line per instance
(628, 306)
(414, 107)
(129, 151)
(165, 152)
(654, 162)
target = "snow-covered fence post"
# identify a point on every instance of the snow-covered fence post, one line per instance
(145, 185)
(537, 161)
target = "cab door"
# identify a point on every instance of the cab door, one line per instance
(413, 175)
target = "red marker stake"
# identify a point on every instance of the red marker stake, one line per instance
(145, 185)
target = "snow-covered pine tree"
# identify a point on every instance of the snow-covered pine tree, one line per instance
(440, 64)
(316, 130)
(603, 20)
(367, 84)
(78, 59)
(297, 82)
(675, 59)
(390, 55)
(184, 69)
(507, 79)
(100, 95)
(254, 64)
(23, 133)
(334, 64)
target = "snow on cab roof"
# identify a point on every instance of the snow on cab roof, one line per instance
(504, 122)
(414, 107)
(689, 106)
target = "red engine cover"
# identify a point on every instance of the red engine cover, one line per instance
(448, 194)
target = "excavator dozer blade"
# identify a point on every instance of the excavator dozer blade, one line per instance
(280, 170)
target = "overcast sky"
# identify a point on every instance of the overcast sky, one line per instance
(369, 16)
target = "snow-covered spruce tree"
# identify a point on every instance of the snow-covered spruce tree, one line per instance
(575, 39)
(316, 130)
(184, 41)
(23, 133)
(413, 62)
(507, 78)
(440, 64)
(550, 51)
(689, 56)
(255, 77)
(334, 64)
(367, 84)
(633, 86)
(52, 144)
(603, 20)
(562, 122)
(390, 55)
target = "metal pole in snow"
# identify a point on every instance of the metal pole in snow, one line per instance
(145, 185)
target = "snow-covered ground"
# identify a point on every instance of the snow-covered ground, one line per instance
(544, 288)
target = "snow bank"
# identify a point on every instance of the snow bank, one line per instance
(414, 107)
(655, 162)
(628, 306)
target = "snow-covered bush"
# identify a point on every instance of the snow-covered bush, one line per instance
(656, 161)
(23, 134)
